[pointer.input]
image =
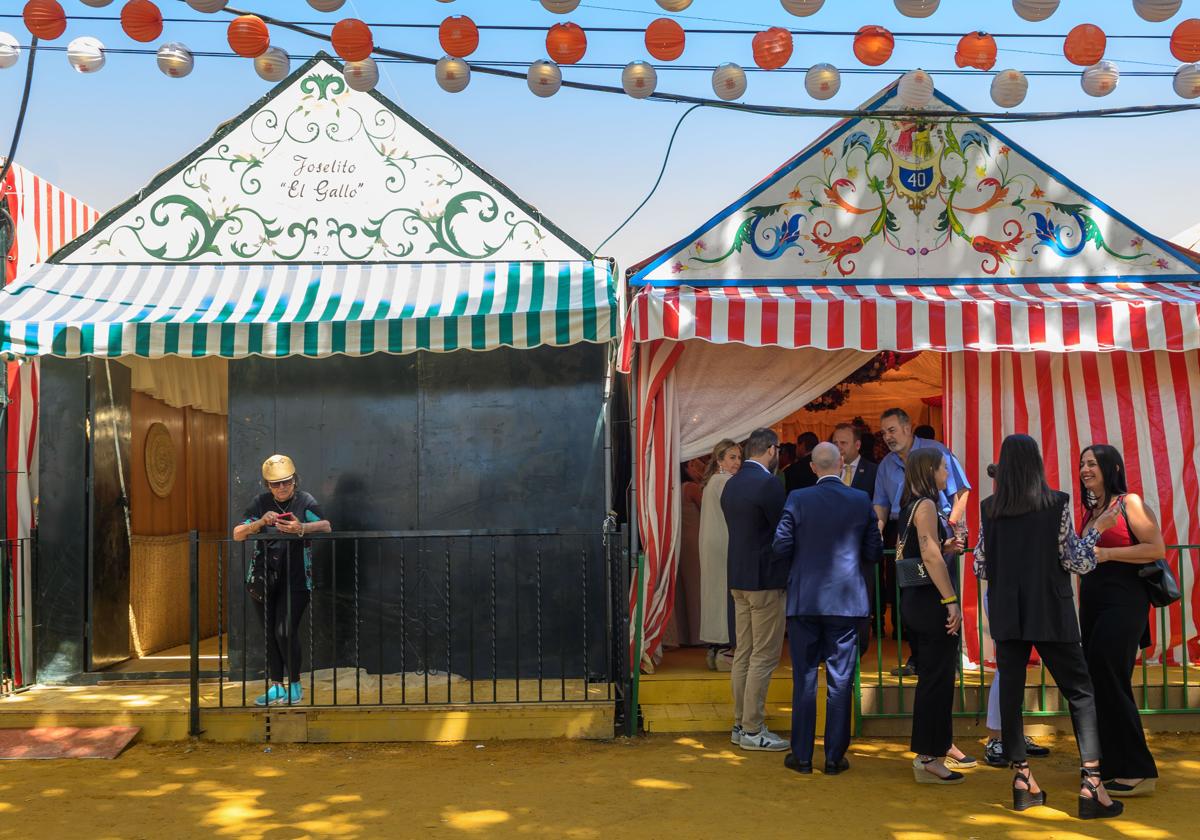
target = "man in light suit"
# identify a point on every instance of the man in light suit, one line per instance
(831, 535)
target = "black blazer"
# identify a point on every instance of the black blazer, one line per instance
(753, 502)
(864, 476)
(800, 475)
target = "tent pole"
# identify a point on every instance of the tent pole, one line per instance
(635, 659)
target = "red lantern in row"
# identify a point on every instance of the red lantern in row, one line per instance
(1185, 41)
(249, 36)
(352, 39)
(45, 19)
(873, 45)
(772, 48)
(665, 39)
(141, 20)
(976, 49)
(566, 43)
(1085, 45)
(459, 36)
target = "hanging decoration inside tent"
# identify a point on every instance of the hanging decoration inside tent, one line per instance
(1085, 45)
(361, 75)
(86, 54)
(141, 20)
(665, 39)
(1009, 88)
(273, 65)
(772, 48)
(566, 43)
(729, 82)
(822, 81)
(45, 19)
(10, 50)
(802, 8)
(915, 88)
(674, 5)
(976, 49)
(917, 8)
(1185, 41)
(248, 36)
(639, 79)
(559, 7)
(1187, 81)
(459, 36)
(208, 7)
(175, 60)
(352, 39)
(873, 45)
(1035, 10)
(327, 5)
(872, 371)
(544, 78)
(1156, 11)
(1100, 79)
(452, 74)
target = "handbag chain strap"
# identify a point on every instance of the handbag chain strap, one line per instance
(903, 535)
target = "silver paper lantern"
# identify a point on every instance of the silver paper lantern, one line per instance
(361, 75)
(327, 5)
(639, 79)
(544, 78)
(10, 50)
(802, 8)
(729, 82)
(1187, 81)
(917, 8)
(96, 4)
(273, 65)
(822, 81)
(86, 54)
(560, 7)
(1009, 88)
(175, 60)
(453, 74)
(208, 7)
(1100, 79)
(674, 5)
(915, 89)
(1035, 10)
(1156, 11)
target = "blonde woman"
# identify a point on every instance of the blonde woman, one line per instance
(715, 623)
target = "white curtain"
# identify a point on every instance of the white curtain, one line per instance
(728, 391)
(199, 383)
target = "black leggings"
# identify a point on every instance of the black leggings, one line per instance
(283, 635)
(937, 666)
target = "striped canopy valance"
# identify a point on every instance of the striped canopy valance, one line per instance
(309, 310)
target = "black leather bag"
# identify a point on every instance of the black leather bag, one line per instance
(262, 578)
(1160, 583)
(910, 571)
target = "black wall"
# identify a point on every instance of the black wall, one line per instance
(506, 439)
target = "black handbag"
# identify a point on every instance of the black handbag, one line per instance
(1160, 583)
(910, 571)
(261, 578)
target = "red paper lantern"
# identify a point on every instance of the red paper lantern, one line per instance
(249, 36)
(45, 19)
(566, 43)
(772, 48)
(1085, 45)
(976, 49)
(459, 36)
(1185, 41)
(873, 45)
(352, 39)
(141, 20)
(665, 39)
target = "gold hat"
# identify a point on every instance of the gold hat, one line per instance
(278, 468)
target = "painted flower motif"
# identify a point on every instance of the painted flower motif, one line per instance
(1005, 150)
(1136, 242)
(1161, 263)
(676, 267)
(795, 194)
(700, 246)
(431, 209)
(827, 152)
(852, 172)
(1038, 192)
(981, 171)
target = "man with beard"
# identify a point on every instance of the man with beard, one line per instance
(753, 503)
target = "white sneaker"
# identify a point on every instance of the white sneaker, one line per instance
(735, 737)
(765, 740)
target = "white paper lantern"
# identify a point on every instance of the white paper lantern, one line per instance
(674, 5)
(544, 78)
(802, 8)
(639, 79)
(96, 4)
(175, 60)
(86, 54)
(822, 81)
(1009, 88)
(453, 74)
(561, 7)
(208, 7)
(1156, 11)
(10, 50)
(273, 65)
(917, 8)
(361, 75)
(1187, 81)
(1035, 10)
(1100, 79)
(729, 82)
(915, 89)
(328, 6)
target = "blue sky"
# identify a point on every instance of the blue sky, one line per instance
(587, 159)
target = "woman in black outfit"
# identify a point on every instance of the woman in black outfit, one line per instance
(1114, 610)
(1027, 550)
(931, 611)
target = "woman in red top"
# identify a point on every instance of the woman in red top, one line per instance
(1114, 612)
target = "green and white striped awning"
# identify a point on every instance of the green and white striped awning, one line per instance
(304, 310)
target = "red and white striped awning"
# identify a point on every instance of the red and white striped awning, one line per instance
(1025, 317)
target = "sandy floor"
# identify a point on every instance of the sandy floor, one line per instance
(659, 787)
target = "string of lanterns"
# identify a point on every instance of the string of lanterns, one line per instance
(665, 39)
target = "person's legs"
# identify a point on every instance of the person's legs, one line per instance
(1065, 662)
(1111, 651)
(804, 643)
(1011, 659)
(933, 701)
(288, 628)
(839, 642)
(269, 611)
(767, 621)
(741, 654)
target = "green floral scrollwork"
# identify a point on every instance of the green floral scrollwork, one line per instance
(305, 230)
(323, 84)
(193, 178)
(207, 226)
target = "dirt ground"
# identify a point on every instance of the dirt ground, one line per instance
(657, 787)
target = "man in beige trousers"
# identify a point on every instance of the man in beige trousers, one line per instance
(753, 503)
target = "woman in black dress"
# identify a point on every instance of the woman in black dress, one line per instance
(1027, 550)
(1114, 610)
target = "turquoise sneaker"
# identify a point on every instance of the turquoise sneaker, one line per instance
(274, 696)
(295, 693)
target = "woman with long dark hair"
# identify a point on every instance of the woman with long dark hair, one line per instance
(1114, 610)
(931, 611)
(1031, 552)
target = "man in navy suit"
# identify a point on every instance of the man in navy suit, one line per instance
(752, 502)
(830, 534)
(857, 472)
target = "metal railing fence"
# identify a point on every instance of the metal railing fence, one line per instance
(16, 558)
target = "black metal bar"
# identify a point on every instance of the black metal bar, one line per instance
(245, 625)
(583, 567)
(495, 679)
(449, 646)
(424, 616)
(403, 628)
(287, 627)
(382, 535)
(538, 597)
(194, 634)
(333, 622)
(379, 618)
(220, 624)
(471, 621)
(357, 664)
(516, 555)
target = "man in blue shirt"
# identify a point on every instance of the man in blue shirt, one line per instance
(898, 434)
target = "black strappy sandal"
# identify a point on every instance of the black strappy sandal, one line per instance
(1024, 798)
(1090, 807)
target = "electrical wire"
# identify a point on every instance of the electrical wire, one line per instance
(16, 138)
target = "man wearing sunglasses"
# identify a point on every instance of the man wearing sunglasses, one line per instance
(279, 576)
